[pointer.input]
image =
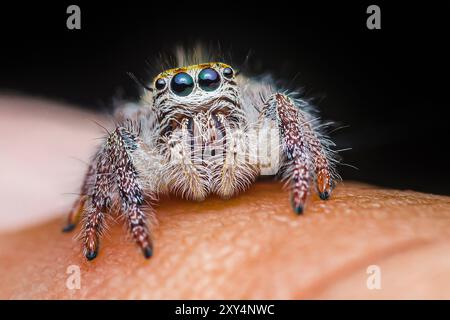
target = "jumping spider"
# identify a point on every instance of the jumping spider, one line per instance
(161, 145)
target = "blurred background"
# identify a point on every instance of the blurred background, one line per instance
(387, 88)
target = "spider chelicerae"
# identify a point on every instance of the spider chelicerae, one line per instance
(201, 129)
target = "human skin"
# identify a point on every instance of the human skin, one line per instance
(249, 247)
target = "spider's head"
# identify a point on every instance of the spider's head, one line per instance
(195, 88)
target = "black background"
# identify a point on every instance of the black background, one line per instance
(165, 309)
(389, 86)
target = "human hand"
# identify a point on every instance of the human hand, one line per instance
(249, 247)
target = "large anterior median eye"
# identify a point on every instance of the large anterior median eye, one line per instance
(208, 79)
(182, 84)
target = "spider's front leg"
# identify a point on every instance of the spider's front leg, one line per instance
(112, 172)
(305, 153)
(78, 207)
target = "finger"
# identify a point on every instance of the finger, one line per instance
(248, 247)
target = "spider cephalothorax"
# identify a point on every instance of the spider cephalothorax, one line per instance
(200, 130)
(208, 88)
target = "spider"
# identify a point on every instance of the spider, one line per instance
(193, 134)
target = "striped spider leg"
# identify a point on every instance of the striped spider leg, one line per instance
(112, 175)
(305, 154)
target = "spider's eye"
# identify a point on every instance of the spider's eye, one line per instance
(160, 84)
(182, 84)
(228, 73)
(208, 79)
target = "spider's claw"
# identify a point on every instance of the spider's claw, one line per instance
(148, 252)
(324, 195)
(298, 209)
(75, 214)
(91, 255)
(69, 227)
(298, 202)
(324, 184)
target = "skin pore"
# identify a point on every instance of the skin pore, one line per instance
(249, 247)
